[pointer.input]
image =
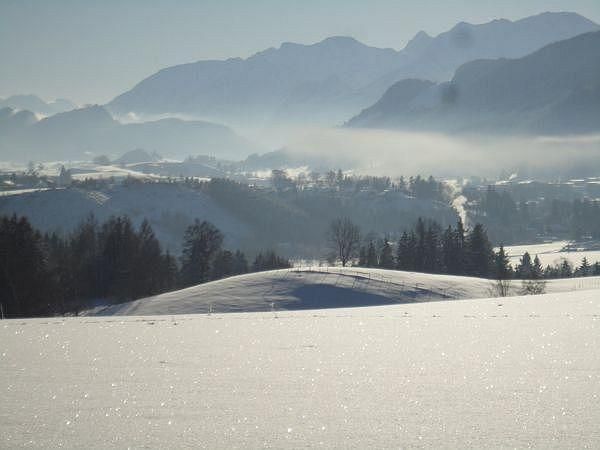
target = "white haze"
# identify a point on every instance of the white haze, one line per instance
(393, 153)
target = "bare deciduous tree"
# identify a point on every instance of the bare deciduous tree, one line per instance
(500, 288)
(345, 239)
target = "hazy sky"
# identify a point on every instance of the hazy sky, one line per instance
(91, 50)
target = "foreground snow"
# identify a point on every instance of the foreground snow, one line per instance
(322, 287)
(515, 372)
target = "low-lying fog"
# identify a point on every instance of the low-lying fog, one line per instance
(395, 153)
(380, 152)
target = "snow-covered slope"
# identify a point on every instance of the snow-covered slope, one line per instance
(321, 287)
(517, 373)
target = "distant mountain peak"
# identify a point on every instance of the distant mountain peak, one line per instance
(35, 104)
(341, 40)
(558, 14)
(332, 42)
(328, 81)
(558, 17)
(554, 90)
(421, 35)
(89, 114)
(23, 115)
(418, 42)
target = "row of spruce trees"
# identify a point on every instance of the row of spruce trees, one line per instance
(48, 274)
(430, 248)
(532, 269)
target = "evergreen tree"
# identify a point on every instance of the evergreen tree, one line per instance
(223, 265)
(449, 251)
(386, 257)
(524, 269)
(85, 259)
(406, 253)
(479, 252)
(240, 264)
(269, 261)
(148, 268)
(584, 269)
(502, 268)
(61, 271)
(502, 273)
(566, 270)
(25, 286)
(420, 248)
(552, 271)
(537, 272)
(371, 255)
(431, 257)
(119, 247)
(171, 272)
(461, 257)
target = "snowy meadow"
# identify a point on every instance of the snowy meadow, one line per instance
(514, 372)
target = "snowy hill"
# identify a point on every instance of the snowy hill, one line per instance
(321, 287)
(523, 372)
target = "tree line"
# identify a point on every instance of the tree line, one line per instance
(112, 262)
(508, 220)
(429, 248)
(532, 269)
(417, 186)
(426, 247)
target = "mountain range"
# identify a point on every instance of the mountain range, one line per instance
(36, 105)
(539, 74)
(555, 90)
(330, 81)
(90, 131)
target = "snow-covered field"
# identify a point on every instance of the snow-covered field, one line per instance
(552, 253)
(97, 172)
(517, 372)
(322, 287)
(22, 191)
(80, 170)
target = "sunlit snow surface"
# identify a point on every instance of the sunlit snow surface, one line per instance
(552, 253)
(322, 287)
(513, 372)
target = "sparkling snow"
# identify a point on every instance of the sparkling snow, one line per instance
(511, 372)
